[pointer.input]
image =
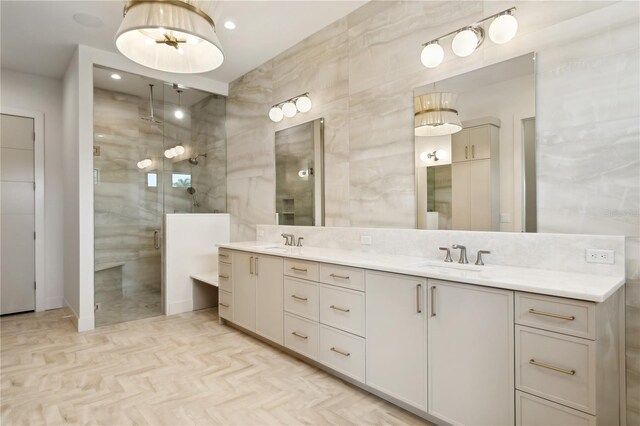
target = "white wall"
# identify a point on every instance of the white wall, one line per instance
(42, 94)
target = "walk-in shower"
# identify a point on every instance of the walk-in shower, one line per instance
(145, 155)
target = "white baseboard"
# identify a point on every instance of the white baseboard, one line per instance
(86, 323)
(179, 307)
(54, 303)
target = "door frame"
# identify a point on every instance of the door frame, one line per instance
(39, 208)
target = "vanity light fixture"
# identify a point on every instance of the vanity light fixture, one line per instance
(169, 35)
(290, 107)
(143, 164)
(466, 40)
(174, 152)
(436, 155)
(435, 114)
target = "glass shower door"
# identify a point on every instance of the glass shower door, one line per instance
(128, 196)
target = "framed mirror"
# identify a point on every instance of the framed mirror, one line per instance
(475, 149)
(300, 174)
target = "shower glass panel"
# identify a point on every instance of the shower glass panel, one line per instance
(146, 163)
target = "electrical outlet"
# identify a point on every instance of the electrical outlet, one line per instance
(600, 256)
(365, 240)
(260, 233)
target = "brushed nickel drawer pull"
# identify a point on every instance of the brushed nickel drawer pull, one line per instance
(304, 299)
(337, 308)
(293, 268)
(433, 301)
(302, 336)
(338, 351)
(224, 305)
(551, 367)
(549, 314)
(225, 277)
(222, 255)
(342, 277)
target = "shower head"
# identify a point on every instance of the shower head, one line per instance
(194, 160)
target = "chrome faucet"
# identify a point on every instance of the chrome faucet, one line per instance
(448, 257)
(299, 244)
(479, 257)
(463, 253)
(288, 239)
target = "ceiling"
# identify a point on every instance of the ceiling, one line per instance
(39, 37)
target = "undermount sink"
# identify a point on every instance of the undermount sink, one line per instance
(273, 247)
(447, 265)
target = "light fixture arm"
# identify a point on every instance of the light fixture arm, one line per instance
(474, 26)
(293, 99)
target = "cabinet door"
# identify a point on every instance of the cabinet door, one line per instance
(480, 142)
(470, 354)
(244, 290)
(396, 336)
(480, 195)
(460, 146)
(460, 205)
(269, 298)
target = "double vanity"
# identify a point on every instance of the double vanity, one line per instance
(453, 343)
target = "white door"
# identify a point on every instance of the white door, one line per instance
(17, 251)
(269, 295)
(244, 290)
(396, 336)
(470, 354)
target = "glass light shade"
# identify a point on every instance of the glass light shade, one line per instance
(441, 154)
(179, 114)
(465, 43)
(432, 55)
(435, 114)
(289, 109)
(275, 114)
(303, 104)
(140, 165)
(179, 150)
(197, 39)
(424, 156)
(503, 29)
(169, 153)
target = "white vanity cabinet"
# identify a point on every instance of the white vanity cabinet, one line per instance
(257, 294)
(396, 327)
(225, 286)
(470, 354)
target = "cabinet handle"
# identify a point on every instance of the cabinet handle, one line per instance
(224, 277)
(337, 308)
(466, 152)
(342, 277)
(433, 301)
(251, 265)
(223, 304)
(256, 263)
(304, 299)
(418, 308)
(473, 151)
(551, 367)
(156, 240)
(338, 351)
(293, 268)
(302, 336)
(549, 314)
(222, 255)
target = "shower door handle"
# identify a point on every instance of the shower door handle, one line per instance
(156, 239)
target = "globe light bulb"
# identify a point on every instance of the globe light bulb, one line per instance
(289, 109)
(179, 114)
(503, 29)
(424, 156)
(303, 104)
(432, 55)
(169, 153)
(441, 154)
(465, 42)
(275, 114)
(179, 150)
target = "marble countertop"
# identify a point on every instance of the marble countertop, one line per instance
(594, 288)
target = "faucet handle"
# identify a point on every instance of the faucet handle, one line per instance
(300, 241)
(448, 257)
(479, 257)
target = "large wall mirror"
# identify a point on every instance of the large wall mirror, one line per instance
(475, 149)
(299, 174)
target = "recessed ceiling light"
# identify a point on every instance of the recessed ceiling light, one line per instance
(87, 20)
(116, 76)
(230, 25)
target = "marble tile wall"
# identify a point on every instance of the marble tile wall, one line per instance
(361, 71)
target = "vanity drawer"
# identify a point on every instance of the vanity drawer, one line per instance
(301, 269)
(343, 309)
(343, 352)
(534, 411)
(224, 305)
(301, 298)
(566, 316)
(342, 276)
(224, 276)
(224, 255)
(301, 335)
(556, 367)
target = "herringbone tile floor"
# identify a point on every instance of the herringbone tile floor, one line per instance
(178, 370)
